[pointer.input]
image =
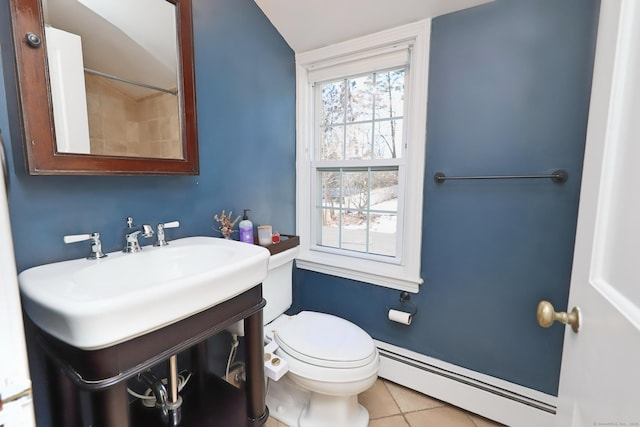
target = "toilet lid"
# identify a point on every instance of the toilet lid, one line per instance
(324, 340)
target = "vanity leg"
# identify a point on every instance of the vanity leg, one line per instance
(199, 358)
(253, 328)
(65, 399)
(111, 406)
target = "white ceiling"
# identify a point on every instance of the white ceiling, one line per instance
(310, 24)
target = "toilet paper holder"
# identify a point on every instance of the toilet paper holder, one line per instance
(405, 300)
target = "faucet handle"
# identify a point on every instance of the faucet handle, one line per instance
(161, 240)
(172, 224)
(73, 238)
(96, 245)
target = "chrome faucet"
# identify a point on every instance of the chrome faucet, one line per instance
(131, 233)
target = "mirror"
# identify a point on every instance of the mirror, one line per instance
(126, 82)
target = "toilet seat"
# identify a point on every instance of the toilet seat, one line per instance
(324, 340)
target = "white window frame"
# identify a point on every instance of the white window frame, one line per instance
(350, 57)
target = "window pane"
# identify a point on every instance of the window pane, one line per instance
(387, 141)
(329, 234)
(330, 195)
(382, 234)
(330, 208)
(355, 190)
(390, 94)
(354, 231)
(384, 190)
(360, 102)
(359, 141)
(332, 145)
(333, 99)
(383, 226)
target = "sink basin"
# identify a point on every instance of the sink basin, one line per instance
(99, 303)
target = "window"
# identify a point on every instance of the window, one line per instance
(360, 151)
(360, 127)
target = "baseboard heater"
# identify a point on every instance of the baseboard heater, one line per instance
(479, 393)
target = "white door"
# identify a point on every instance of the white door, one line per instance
(16, 409)
(600, 376)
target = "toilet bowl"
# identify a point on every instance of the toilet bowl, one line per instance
(330, 360)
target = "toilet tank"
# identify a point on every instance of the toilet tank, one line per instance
(277, 288)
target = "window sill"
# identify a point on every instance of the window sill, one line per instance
(399, 283)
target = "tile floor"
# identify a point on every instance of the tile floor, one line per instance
(391, 405)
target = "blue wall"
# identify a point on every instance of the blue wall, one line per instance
(245, 79)
(509, 90)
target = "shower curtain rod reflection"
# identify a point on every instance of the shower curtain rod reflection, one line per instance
(558, 176)
(120, 79)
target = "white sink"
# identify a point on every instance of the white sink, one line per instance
(99, 303)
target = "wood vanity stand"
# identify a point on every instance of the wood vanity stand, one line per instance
(208, 401)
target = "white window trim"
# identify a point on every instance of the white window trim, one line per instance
(404, 276)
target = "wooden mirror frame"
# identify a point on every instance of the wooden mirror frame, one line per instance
(36, 109)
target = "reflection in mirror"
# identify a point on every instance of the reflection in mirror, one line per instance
(113, 69)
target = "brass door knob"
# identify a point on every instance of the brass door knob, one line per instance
(547, 315)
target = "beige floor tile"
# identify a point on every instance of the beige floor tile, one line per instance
(394, 421)
(272, 422)
(445, 416)
(378, 401)
(410, 400)
(483, 422)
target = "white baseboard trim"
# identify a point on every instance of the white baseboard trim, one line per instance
(490, 397)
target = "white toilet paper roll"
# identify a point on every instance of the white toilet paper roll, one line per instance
(400, 317)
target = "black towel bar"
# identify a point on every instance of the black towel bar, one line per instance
(559, 176)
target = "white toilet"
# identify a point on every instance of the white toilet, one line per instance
(330, 359)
